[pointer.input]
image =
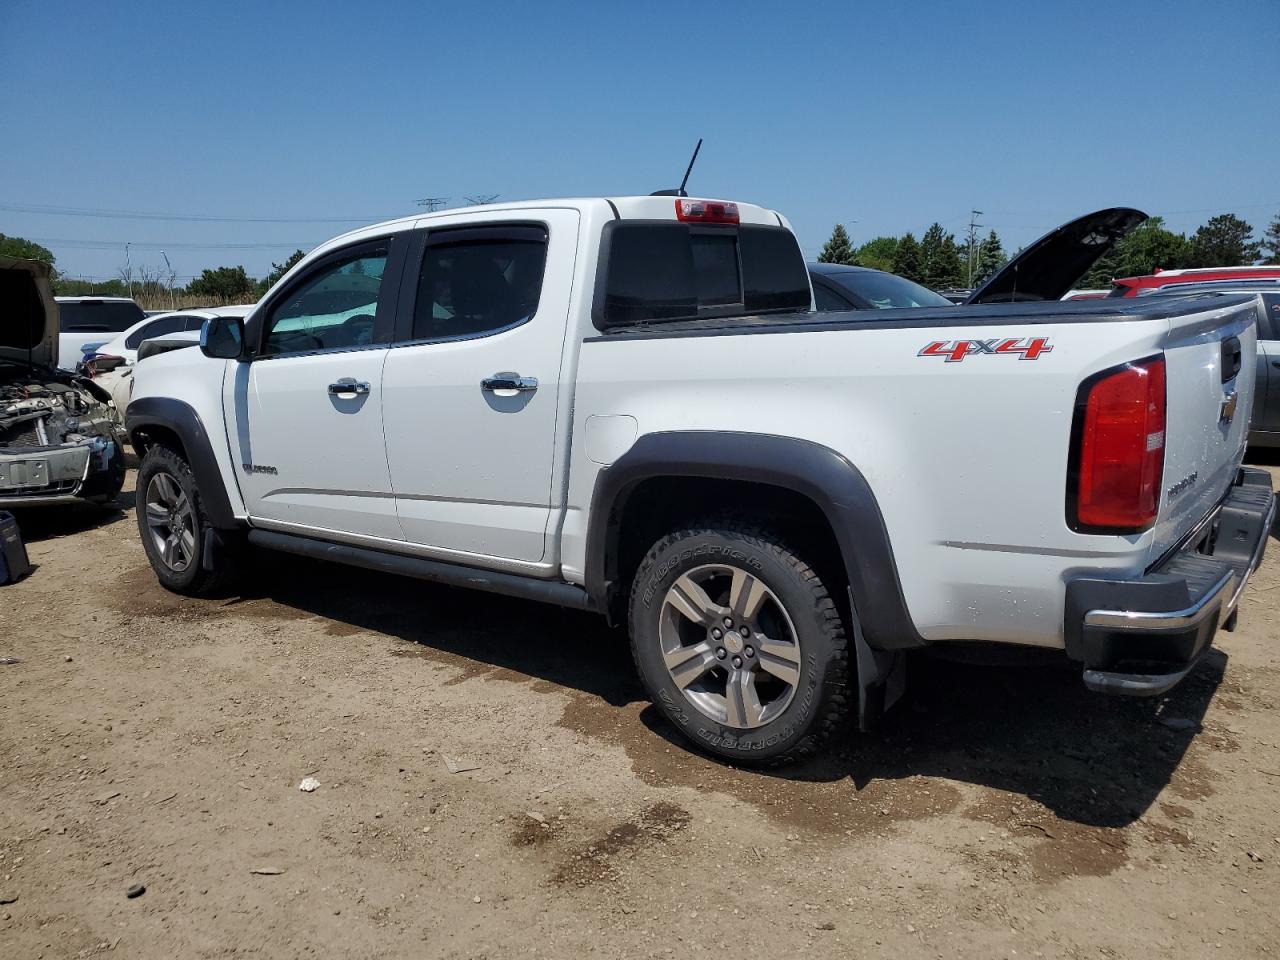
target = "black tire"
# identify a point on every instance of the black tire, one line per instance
(820, 704)
(193, 579)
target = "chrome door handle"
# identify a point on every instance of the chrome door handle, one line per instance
(509, 381)
(349, 387)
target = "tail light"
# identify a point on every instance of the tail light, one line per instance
(99, 363)
(706, 211)
(1117, 457)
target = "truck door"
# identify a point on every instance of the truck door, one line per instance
(471, 386)
(305, 416)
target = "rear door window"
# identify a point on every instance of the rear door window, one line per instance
(826, 301)
(1270, 327)
(476, 281)
(156, 328)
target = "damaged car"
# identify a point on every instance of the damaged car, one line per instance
(61, 439)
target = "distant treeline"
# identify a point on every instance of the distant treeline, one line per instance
(939, 261)
(152, 288)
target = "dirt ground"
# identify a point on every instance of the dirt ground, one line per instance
(493, 784)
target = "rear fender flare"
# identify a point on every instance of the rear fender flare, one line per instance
(814, 471)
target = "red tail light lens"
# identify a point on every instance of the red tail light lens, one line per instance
(1119, 457)
(706, 211)
(100, 363)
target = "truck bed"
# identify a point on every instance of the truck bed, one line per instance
(969, 461)
(980, 315)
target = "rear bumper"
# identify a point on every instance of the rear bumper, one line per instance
(1140, 637)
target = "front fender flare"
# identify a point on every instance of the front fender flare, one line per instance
(181, 419)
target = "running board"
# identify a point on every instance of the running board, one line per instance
(450, 574)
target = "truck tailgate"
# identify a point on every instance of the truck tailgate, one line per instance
(1209, 373)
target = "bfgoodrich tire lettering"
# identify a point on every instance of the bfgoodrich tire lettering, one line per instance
(744, 690)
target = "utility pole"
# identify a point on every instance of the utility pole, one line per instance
(481, 199)
(128, 269)
(173, 305)
(433, 203)
(973, 240)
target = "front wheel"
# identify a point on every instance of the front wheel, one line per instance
(173, 525)
(739, 644)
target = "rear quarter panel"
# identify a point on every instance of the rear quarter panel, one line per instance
(968, 460)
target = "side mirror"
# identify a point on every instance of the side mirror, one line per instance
(222, 338)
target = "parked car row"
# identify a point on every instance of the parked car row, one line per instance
(630, 406)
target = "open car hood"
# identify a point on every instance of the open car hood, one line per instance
(28, 313)
(1050, 267)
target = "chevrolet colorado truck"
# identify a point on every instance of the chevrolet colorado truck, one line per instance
(628, 406)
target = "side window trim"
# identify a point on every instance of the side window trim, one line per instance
(388, 295)
(416, 250)
(1270, 317)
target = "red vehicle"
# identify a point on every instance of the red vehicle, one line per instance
(1137, 286)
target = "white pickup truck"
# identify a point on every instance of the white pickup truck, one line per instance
(626, 405)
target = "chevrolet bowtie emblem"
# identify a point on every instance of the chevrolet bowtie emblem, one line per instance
(1228, 411)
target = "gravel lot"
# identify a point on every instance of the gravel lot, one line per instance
(493, 784)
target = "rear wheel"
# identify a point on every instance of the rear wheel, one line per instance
(739, 643)
(173, 525)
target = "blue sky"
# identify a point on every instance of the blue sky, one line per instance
(892, 114)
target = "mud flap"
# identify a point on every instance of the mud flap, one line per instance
(881, 679)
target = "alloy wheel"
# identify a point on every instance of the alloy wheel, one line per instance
(729, 645)
(171, 521)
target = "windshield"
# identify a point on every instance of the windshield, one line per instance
(886, 290)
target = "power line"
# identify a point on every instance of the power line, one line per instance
(169, 245)
(50, 210)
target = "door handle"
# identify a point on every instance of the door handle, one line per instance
(349, 387)
(509, 381)
(1275, 363)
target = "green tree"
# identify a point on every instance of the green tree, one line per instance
(1271, 240)
(940, 262)
(1148, 248)
(1225, 241)
(989, 258)
(27, 250)
(278, 270)
(906, 258)
(223, 285)
(837, 249)
(877, 253)
(72, 287)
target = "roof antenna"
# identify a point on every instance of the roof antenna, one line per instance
(680, 191)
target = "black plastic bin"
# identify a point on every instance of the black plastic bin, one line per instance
(14, 564)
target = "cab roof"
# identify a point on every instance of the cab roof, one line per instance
(626, 208)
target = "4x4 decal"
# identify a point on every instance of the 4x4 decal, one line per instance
(956, 350)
